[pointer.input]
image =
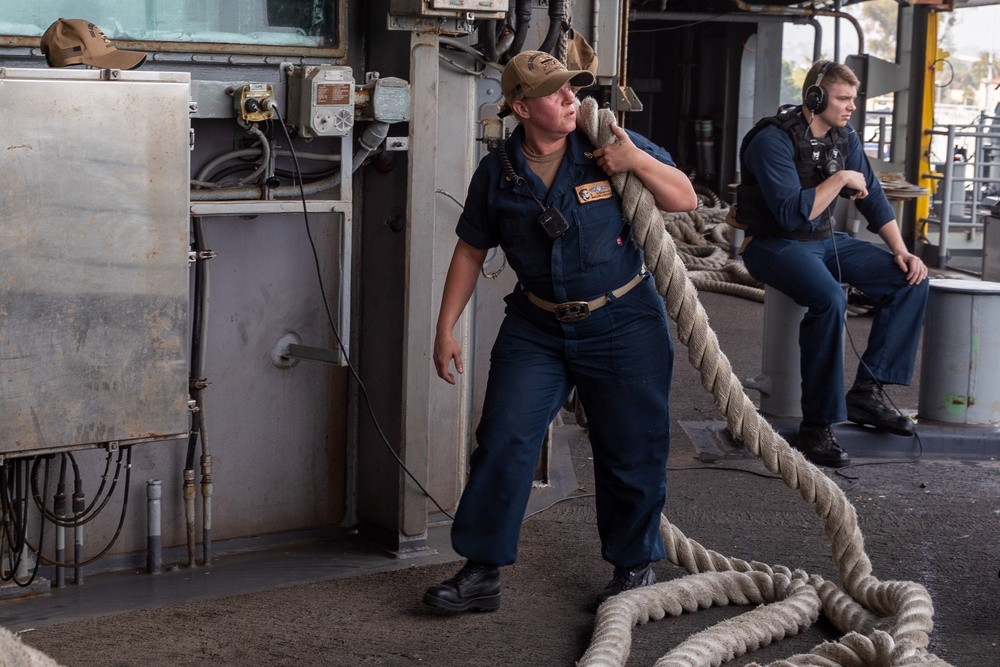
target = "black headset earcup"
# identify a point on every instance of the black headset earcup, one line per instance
(815, 99)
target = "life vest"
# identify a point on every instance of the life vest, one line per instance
(815, 160)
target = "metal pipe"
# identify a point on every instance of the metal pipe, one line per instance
(374, 134)
(189, 495)
(881, 137)
(754, 14)
(639, 15)
(59, 509)
(78, 553)
(25, 563)
(836, 32)
(206, 497)
(949, 169)
(974, 179)
(817, 38)
(963, 135)
(198, 385)
(265, 156)
(465, 48)
(154, 542)
(978, 167)
(209, 167)
(595, 33)
(60, 554)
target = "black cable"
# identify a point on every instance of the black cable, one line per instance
(881, 388)
(726, 468)
(16, 519)
(41, 532)
(951, 69)
(121, 518)
(12, 533)
(87, 514)
(329, 317)
(556, 502)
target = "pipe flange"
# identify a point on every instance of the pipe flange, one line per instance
(279, 354)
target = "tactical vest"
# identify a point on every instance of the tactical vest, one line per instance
(815, 160)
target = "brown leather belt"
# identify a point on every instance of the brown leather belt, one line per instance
(574, 311)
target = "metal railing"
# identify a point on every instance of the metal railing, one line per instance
(976, 190)
(877, 134)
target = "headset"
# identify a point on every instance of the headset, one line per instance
(815, 98)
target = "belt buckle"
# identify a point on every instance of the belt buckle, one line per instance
(572, 311)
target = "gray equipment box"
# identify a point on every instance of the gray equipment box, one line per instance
(93, 258)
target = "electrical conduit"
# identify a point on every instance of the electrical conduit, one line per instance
(370, 139)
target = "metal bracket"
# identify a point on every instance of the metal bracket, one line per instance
(203, 254)
(307, 353)
(624, 99)
(287, 352)
(397, 143)
(440, 25)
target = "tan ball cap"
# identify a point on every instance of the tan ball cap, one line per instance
(80, 42)
(537, 74)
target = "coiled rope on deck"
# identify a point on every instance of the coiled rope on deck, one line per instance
(703, 239)
(887, 624)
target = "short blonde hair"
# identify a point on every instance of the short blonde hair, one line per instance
(837, 73)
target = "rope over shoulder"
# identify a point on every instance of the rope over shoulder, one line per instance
(902, 611)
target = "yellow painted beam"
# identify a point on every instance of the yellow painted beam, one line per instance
(934, 58)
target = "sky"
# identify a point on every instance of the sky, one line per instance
(977, 29)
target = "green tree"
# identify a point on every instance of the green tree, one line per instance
(791, 92)
(878, 20)
(984, 68)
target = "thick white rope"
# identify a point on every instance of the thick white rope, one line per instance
(886, 623)
(15, 653)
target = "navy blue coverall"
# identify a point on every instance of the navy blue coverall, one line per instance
(619, 358)
(811, 273)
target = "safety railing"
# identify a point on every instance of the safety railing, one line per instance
(965, 195)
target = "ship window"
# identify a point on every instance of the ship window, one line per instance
(263, 23)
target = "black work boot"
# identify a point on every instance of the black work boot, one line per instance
(627, 578)
(817, 443)
(476, 587)
(866, 406)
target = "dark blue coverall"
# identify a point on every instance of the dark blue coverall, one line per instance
(811, 273)
(619, 358)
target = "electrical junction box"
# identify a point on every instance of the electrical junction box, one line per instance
(94, 271)
(390, 100)
(321, 100)
(482, 9)
(252, 102)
